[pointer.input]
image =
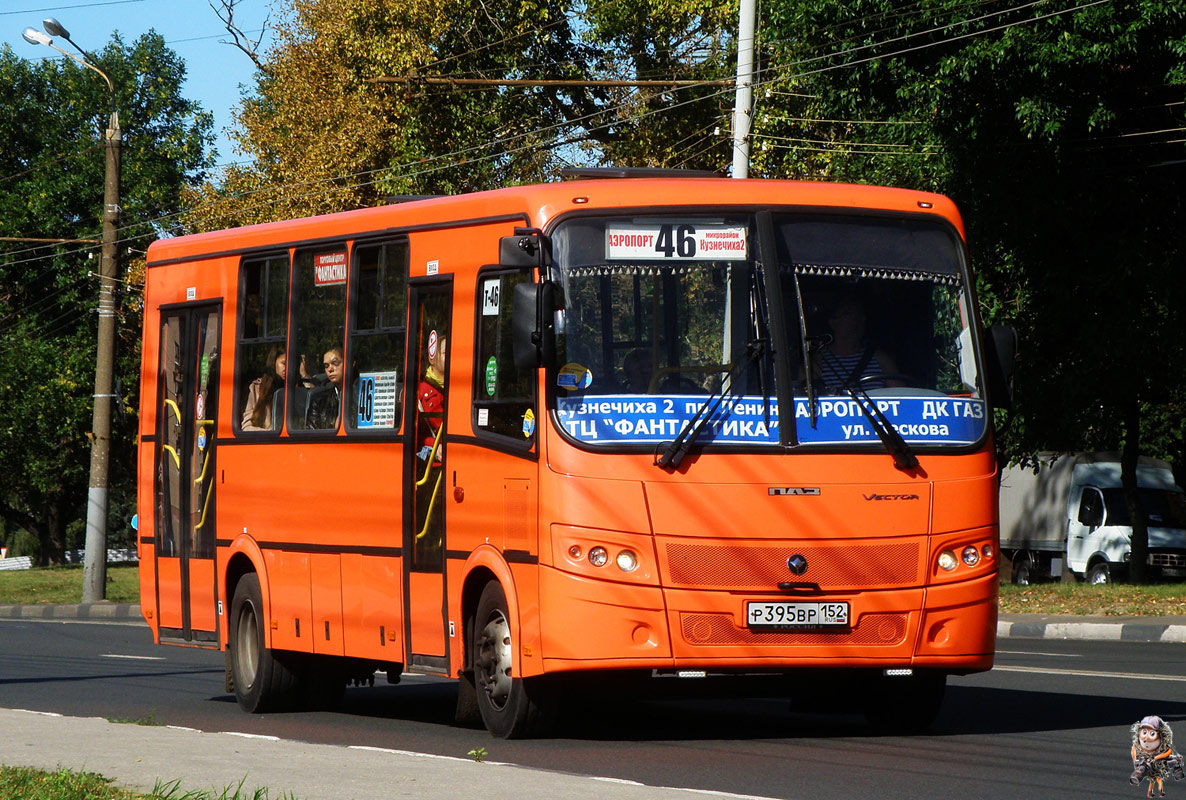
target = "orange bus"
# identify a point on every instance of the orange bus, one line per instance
(532, 437)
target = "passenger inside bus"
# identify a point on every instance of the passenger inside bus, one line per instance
(266, 392)
(325, 401)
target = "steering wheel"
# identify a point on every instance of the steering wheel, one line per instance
(901, 377)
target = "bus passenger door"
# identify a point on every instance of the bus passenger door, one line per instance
(425, 481)
(185, 473)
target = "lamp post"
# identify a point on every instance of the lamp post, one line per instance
(94, 573)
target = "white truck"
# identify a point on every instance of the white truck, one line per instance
(1071, 514)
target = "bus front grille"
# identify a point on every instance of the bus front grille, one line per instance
(850, 565)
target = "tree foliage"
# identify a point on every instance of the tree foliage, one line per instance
(53, 114)
(341, 115)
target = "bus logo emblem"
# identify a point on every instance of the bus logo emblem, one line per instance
(776, 491)
(797, 564)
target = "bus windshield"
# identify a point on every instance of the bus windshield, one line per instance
(667, 317)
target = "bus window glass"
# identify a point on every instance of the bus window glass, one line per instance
(319, 324)
(504, 395)
(377, 337)
(261, 361)
(661, 313)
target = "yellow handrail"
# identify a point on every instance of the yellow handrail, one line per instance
(431, 505)
(172, 452)
(176, 410)
(432, 455)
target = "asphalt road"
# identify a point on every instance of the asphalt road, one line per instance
(1052, 720)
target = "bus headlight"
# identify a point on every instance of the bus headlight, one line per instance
(598, 556)
(970, 555)
(947, 560)
(627, 561)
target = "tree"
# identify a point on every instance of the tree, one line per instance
(1058, 130)
(342, 115)
(52, 117)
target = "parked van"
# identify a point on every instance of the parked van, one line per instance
(1072, 514)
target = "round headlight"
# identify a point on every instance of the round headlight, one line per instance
(627, 561)
(987, 550)
(946, 560)
(575, 552)
(971, 556)
(598, 557)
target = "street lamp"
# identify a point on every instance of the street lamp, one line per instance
(94, 572)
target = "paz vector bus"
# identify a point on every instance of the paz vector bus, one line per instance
(678, 431)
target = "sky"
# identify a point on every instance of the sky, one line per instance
(215, 71)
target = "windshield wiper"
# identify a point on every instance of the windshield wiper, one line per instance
(808, 365)
(904, 458)
(674, 451)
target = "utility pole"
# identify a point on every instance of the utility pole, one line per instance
(94, 571)
(744, 97)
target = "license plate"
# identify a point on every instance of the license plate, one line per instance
(784, 614)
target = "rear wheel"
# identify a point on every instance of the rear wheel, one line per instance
(1022, 571)
(907, 704)
(262, 681)
(511, 707)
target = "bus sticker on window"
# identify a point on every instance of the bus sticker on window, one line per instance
(377, 399)
(528, 423)
(490, 293)
(675, 242)
(491, 376)
(483, 417)
(574, 376)
(329, 269)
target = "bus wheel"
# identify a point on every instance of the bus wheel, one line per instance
(262, 682)
(905, 704)
(511, 708)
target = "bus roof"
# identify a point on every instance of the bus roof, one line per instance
(540, 203)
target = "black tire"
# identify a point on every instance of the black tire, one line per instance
(263, 681)
(511, 707)
(1021, 572)
(905, 704)
(1099, 573)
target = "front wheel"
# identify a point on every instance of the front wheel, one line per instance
(1099, 573)
(511, 707)
(262, 682)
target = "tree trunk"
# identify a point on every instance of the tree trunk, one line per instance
(1137, 572)
(52, 535)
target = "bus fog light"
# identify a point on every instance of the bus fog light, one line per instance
(627, 561)
(971, 556)
(598, 556)
(987, 550)
(946, 560)
(575, 552)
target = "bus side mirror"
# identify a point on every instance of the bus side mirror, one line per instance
(999, 363)
(527, 248)
(533, 335)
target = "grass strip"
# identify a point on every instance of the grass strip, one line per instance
(24, 783)
(63, 585)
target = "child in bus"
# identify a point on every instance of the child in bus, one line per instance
(326, 403)
(257, 413)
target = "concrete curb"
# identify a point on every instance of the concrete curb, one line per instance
(1129, 629)
(85, 611)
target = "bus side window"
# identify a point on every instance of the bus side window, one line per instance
(378, 329)
(260, 361)
(318, 329)
(504, 395)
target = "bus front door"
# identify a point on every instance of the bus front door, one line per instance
(185, 474)
(425, 483)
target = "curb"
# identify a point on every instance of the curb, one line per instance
(85, 611)
(1148, 630)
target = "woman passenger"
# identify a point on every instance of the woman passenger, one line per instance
(257, 413)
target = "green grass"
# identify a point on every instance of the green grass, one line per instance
(22, 783)
(57, 585)
(1111, 600)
